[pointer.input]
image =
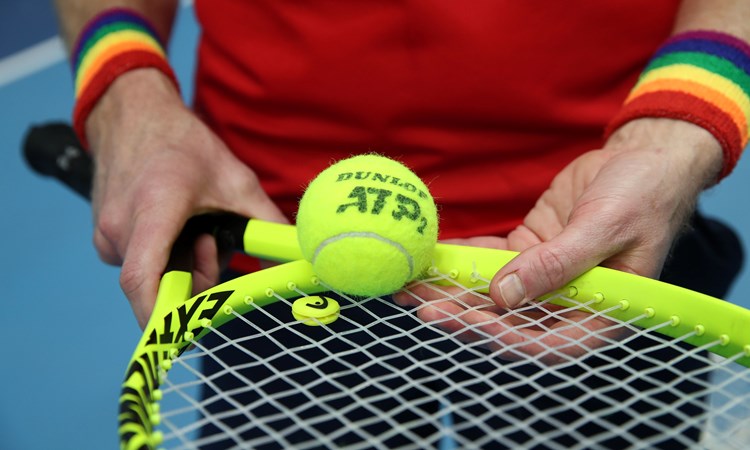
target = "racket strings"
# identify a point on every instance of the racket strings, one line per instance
(342, 390)
(294, 389)
(380, 377)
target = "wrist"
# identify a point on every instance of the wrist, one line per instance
(127, 98)
(690, 150)
(700, 77)
(113, 43)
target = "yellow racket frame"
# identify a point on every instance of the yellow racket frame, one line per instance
(178, 319)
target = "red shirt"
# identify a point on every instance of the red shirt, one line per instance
(486, 100)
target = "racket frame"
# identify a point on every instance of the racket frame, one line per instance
(179, 320)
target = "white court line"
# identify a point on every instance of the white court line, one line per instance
(32, 59)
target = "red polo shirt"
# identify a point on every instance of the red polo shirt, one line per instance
(486, 99)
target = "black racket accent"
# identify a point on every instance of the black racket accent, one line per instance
(54, 150)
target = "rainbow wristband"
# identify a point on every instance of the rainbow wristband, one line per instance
(112, 43)
(702, 77)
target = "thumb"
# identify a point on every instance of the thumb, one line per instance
(545, 267)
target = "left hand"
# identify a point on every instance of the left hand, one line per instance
(620, 207)
(541, 331)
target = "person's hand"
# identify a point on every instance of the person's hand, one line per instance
(619, 207)
(157, 165)
(539, 330)
(543, 331)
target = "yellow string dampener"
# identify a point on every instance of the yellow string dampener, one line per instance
(315, 311)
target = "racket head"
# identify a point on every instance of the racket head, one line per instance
(419, 352)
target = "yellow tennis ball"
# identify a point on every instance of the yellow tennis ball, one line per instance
(368, 225)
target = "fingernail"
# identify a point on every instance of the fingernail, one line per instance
(512, 290)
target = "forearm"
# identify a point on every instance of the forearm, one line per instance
(74, 14)
(728, 16)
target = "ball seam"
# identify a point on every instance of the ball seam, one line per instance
(366, 234)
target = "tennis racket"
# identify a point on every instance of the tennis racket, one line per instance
(276, 359)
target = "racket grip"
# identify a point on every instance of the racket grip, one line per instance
(54, 150)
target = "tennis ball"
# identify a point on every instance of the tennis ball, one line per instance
(368, 225)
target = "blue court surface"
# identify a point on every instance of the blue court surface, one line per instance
(67, 329)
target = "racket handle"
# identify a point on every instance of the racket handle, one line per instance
(54, 150)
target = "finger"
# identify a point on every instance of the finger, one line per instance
(533, 318)
(646, 261)
(480, 241)
(206, 267)
(547, 219)
(550, 339)
(106, 248)
(550, 214)
(481, 327)
(548, 333)
(452, 318)
(148, 251)
(423, 291)
(522, 238)
(419, 293)
(111, 229)
(548, 266)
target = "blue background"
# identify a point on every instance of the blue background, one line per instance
(67, 329)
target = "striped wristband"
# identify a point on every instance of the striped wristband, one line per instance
(702, 77)
(112, 43)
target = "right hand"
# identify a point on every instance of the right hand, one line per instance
(157, 165)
